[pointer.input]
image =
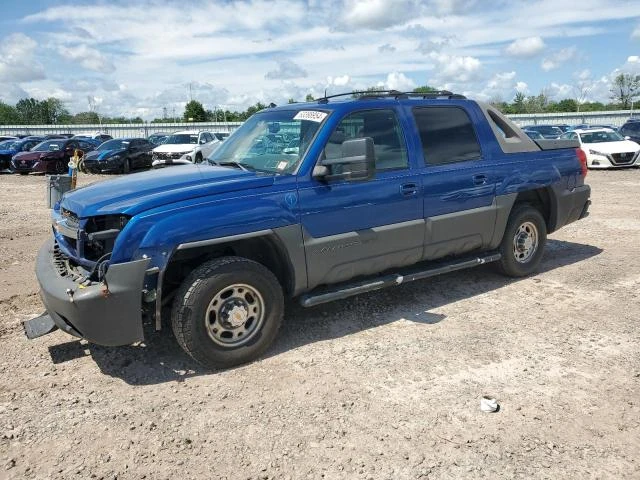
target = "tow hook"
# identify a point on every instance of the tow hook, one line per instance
(69, 293)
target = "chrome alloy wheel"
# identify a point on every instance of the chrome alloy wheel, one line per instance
(235, 315)
(525, 242)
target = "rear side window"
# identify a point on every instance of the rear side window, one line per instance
(447, 135)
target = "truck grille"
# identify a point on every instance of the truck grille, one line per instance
(623, 158)
(166, 155)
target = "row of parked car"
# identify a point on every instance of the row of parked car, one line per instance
(606, 146)
(102, 154)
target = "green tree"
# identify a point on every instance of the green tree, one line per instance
(194, 111)
(425, 89)
(567, 105)
(85, 118)
(291, 100)
(625, 89)
(28, 110)
(519, 103)
(309, 98)
(8, 114)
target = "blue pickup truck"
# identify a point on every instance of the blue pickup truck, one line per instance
(315, 201)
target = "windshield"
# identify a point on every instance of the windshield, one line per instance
(601, 137)
(114, 145)
(271, 141)
(181, 138)
(546, 130)
(8, 144)
(49, 145)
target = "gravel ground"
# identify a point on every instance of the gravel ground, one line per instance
(382, 386)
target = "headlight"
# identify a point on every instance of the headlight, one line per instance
(115, 157)
(595, 152)
(188, 157)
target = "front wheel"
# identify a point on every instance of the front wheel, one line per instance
(126, 166)
(227, 312)
(522, 246)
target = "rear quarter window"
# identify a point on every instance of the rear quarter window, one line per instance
(447, 135)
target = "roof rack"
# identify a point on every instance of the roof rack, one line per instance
(364, 95)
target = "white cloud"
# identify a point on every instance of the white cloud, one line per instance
(398, 81)
(386, 48)
(557, 59)
(340, 81)
(452, 68)
(286, 70)
(88, 57)
(525, 47)
(521, 87)
(16, 60)
(636, 32)
(377, 14)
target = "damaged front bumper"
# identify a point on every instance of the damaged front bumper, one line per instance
(106, 313)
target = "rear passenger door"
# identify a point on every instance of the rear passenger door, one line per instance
(458, 189)
(354, 228)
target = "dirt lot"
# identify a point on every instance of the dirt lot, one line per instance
(384, 386)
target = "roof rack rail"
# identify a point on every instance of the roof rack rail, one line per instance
(369, 94)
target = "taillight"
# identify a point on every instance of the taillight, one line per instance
(583, 161)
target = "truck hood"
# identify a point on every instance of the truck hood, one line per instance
(103, 154)
(175, 148)
(622, 146)
(138, 192)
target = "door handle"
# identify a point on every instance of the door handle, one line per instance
(479, 179)
(408, 189)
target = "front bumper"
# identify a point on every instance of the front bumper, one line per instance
(106, 313)
(102, 166)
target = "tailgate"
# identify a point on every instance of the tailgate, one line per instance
(556, 144)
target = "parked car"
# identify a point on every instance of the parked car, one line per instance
(120, 155)
(49, 156)
(184, 147)
(158, 138)
(53, 136)
(631, 129)
(564, 127)
(385, 191)
(606, 148)
(534, 135)
(93, 141)
(547, 131)
(10, 148)
(7, 137)
(222, 136)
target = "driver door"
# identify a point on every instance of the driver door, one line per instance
(354, 228)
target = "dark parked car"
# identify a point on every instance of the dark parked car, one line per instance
(158, 138)
(547, 131)
(11, 147)
(631, 129)
(50, 156)
(120, 155)
(7, 137)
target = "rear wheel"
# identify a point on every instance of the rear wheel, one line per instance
(227, 312)
(198, 157)
(522, 246)
(61, 167)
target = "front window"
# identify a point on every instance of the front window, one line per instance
(182, 139)
(49, 146)
(263, 143)
(601, 137)
(114, 145)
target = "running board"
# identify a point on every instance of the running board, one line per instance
(346, 290)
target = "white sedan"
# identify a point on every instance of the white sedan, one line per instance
(606, 148)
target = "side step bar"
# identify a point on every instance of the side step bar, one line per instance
(346, 290)
(39, 326)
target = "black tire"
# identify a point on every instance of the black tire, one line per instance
(200, 306)
(518, 259)
(198, 158)
(61, 167)
(126, 166)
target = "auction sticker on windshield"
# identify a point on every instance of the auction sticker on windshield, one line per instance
(310, 115)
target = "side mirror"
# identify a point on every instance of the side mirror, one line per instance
(356, 162)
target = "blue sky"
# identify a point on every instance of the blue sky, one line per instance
(136, 58)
